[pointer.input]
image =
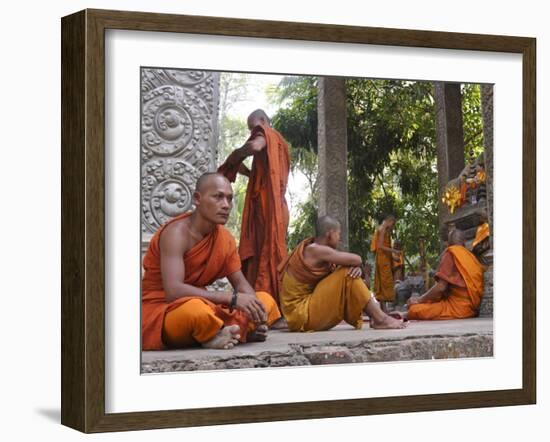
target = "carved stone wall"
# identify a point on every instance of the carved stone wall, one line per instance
(179, 135)
(333, 152)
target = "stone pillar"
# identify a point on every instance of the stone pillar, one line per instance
(487, 114)
(449, 138)
(333, 151)
(486, 308)
(179, 135)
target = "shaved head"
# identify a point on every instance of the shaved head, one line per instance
(456, 237)
(206, 178)
(325, 224)
(256, 117)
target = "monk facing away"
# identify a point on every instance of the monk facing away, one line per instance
(321, 286)
(262, 244)
(383, 270)
(188, 253)
(459, 285)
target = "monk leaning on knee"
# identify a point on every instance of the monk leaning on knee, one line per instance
(321, 286)
(187, 254)
(459, 287)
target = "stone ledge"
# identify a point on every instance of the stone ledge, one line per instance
(422, 340)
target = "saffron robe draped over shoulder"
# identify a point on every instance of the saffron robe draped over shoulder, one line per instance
(383, 269)
(464, 275)
(262, 245)
(482, 233)
(212, 258)
(318, 298)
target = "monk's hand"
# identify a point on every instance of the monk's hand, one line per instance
(413, 300)
(252, 306)
(355, 272)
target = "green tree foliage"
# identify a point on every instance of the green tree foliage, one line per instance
(232, 133)
(472, 121)
(391, 156)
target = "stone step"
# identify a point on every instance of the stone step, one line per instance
(421, 340)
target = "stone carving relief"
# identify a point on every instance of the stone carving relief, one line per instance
(179, 134)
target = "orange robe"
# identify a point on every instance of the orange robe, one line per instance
(482, 233)
(397, 260)
(212, 258)
(383, 270)
(262, 244)
(464, 275)
(318, 298)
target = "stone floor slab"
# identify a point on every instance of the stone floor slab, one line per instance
(343, 344)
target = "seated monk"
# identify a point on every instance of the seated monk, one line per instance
(316, 295)
(481, 242)
(188, 253)
(459, 285)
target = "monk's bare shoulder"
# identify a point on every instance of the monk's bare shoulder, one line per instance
(316, 254)
(176, 237)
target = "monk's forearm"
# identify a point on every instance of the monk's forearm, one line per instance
(183, 290)
(434, 294)
(240, 154)
(389, 249)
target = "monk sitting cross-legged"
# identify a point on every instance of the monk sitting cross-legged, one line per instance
(188, 253)
(459, 287)
(315, 295)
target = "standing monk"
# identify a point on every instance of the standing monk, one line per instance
(459, 285)
(398, 265)
(383, 270)
(262, 245)
(321, 286)
(186, 254)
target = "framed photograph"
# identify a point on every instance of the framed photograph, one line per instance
(406, 158)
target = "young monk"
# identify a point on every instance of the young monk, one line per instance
(383, 274)
(188, 253)
(262, 245)
(459, 285)
(317, 295)
(398, 262)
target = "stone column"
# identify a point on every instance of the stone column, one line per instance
(487, 114)
(179, 135)
(449, 138)
(333, 151)
(486, 307)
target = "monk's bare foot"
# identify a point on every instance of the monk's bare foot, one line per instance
(258, 335)
(279, 324)
(398, 315)
(226, 338)
(388, 323)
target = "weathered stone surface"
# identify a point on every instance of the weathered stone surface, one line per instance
(486, 307)
(322, 355)
(487, 114)
(332, 151)
(421, 341)
(179, 120)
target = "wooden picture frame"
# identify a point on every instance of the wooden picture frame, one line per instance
(83, 219)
